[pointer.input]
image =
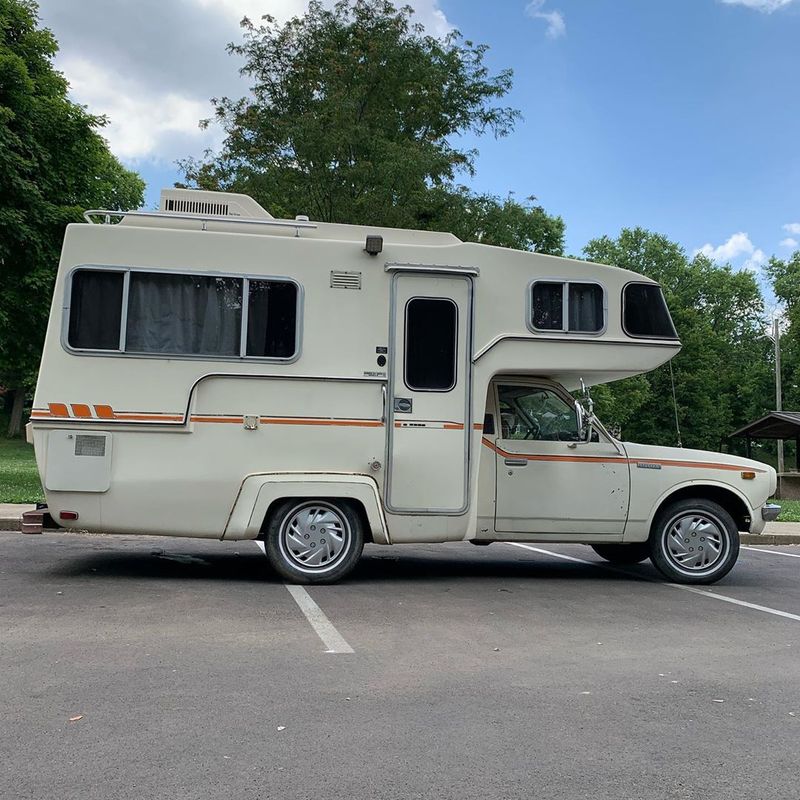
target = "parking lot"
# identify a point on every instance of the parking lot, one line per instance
(164, 668)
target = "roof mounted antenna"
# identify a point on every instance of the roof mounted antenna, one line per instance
(675, 405)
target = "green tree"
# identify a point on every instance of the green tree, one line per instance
(355, 115)
(53, 165)
(785, 278)
(722, 374)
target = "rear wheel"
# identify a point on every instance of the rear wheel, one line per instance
(623, 553)
(694, 541)
(314, 541)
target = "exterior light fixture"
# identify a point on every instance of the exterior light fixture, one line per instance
(374, 245)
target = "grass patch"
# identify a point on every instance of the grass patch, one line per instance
(790, 510)
(19, 478)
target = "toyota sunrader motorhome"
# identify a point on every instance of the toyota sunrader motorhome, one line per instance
(210, 371)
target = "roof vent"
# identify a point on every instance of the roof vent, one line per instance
(199, 203)
(345, 280)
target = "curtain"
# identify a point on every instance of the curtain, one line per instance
(184, 314)
(585, 307)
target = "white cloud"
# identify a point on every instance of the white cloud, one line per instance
(767, 6)
(792, 227)
(755, 261)
(789, 242)
(738, 245)
(556, 26)
(151, 66)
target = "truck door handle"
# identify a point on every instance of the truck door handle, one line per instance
(516, 462)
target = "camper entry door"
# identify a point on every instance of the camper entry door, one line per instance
(429, 392)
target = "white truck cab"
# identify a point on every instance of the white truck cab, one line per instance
(210, 371)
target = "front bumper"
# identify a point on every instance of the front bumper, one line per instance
(770, 511)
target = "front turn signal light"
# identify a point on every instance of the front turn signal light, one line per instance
(748, 476)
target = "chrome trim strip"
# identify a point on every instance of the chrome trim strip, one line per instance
(393, 266)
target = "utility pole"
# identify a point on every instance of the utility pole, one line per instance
(776, 335)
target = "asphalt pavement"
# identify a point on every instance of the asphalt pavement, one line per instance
(166, 668)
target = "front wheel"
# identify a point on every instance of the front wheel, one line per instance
(314, 541)
(694, 541)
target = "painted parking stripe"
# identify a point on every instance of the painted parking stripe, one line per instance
(693, 589)
(331, 638)
(771, 552)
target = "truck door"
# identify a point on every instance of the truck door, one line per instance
(547, 482)
(429, 393)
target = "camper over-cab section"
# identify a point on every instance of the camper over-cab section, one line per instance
(212, 371)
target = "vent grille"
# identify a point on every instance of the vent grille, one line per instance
(198, 207)
(90, 445)
(345, 280)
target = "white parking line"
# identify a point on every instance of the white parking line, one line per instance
(331, 638)
(694, 590)
(771, 552)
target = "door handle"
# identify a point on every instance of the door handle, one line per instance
(515, 462)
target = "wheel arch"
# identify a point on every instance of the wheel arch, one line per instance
(259, 495)
(731, 500)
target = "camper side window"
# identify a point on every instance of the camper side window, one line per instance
(431, 344)
(95, 315)
(169, 313)
(568, 307)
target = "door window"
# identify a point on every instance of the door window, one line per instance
(431, 344)
(536, 414)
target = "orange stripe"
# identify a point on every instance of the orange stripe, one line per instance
(478, 426)
(81, 410)
(104, 412)
(618, 460)
(58, 409)
(228, 420)
(352, 423)
(39, 413)
(149, 417)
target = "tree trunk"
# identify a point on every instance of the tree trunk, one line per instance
(15, 423)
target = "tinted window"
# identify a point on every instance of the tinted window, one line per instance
(431, 330)
(585, 307)
(186, 314)
(548, 306)
(271, 319)
(645, 312)
(95, 310)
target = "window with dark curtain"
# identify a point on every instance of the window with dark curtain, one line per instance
(184, 314)
(585, 307)
(548, 307)
(272, 319)
(431, 344)
(645, 312)
(95, 310)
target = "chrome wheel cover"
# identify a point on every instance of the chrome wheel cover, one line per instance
(695, 542)
(314, 537)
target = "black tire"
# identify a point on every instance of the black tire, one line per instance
(299, 530)
(481, 542)
(623, 553)
(684, 530)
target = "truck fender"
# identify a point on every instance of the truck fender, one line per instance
(259, 491)
(639, 531)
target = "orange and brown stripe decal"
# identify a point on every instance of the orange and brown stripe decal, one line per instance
(664, 462)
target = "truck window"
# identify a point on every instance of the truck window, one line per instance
(645, 312)
(95, 313)
(431, 344)
(538, 414)
(583, 311)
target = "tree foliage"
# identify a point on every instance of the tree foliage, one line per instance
(53, 165)
(723, 373)
(355, 115)
(785, 278)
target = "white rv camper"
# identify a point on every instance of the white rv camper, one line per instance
(210, 371)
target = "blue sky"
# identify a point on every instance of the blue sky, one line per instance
(681, 116)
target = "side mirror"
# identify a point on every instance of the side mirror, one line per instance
(585, 427)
